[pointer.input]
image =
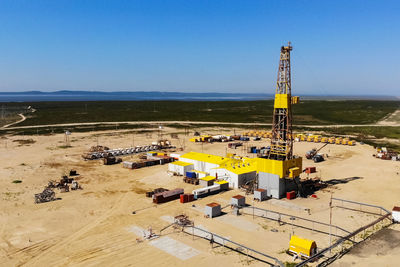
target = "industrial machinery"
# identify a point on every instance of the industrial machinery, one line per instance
(318, 158)
(313, 154)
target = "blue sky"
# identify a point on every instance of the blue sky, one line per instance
(340, 47)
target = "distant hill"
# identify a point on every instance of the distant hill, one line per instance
(65, 95)
(123, 95)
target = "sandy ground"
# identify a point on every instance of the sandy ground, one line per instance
(96, 227)
(391, 119)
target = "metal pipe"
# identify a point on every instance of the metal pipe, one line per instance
(300, 218)
(360, 203)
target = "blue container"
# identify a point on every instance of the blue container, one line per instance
(254, 150)
(191, 174)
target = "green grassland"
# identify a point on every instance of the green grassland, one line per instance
(307, 112)
(312, 112)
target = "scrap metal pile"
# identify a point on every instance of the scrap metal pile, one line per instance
(46, 196)
(65, 184)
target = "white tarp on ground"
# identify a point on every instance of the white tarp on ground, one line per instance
(175, 248)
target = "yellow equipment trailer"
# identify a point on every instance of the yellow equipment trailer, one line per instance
(351, 143)
(317, 138)
(302, 247)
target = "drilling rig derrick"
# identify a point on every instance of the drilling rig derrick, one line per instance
(282, 141)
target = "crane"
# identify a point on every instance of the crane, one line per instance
(313, 154)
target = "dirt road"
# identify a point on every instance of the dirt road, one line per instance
(392, 120)
(21, 120)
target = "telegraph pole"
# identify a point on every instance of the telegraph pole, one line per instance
(330, 224)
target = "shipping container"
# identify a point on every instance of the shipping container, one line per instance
(291, 195)
(206, 191)
(212, 210)
(166, 196)
(191, 174)
(224, 185)
(238, 200)
(260, 194)
(184, 198)
(310, 170)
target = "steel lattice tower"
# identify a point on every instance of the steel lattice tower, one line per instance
(282, 142)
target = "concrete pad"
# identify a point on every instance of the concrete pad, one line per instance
(174, 248)
(138, 231)
(238, 222)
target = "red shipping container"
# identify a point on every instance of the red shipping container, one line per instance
(310, 170)
(291, 195)
(190, 197)
(182, 198)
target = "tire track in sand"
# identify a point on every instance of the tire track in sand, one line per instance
(35, 261)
